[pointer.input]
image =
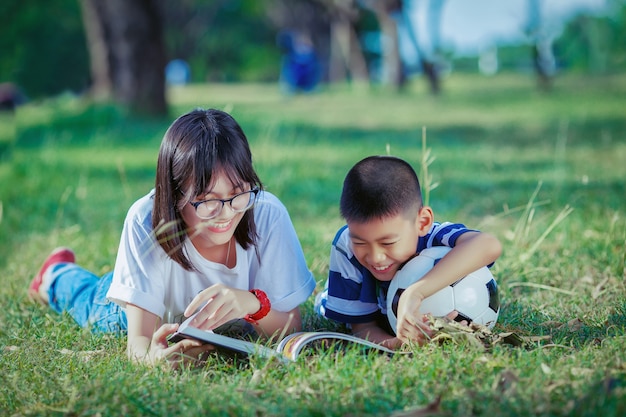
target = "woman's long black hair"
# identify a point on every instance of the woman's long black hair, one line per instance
(195, 147)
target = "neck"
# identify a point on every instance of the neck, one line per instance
(228, 245)
(224, 254)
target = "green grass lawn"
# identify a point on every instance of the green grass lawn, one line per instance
(544, 172)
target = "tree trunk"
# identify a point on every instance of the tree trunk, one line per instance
(346, 59)
(393, 73)
(127, 53)
(346, 55)
(542, 56)
(101, 88)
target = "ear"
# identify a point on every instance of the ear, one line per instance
(424, 220)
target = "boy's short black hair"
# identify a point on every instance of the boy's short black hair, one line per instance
(377, 187)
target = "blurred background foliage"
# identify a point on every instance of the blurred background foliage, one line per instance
(45, 50)
(43, 46)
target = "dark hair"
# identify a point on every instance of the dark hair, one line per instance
(196, 146)
(377, 187)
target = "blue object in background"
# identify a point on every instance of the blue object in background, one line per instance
(177, 72)
(299, 70)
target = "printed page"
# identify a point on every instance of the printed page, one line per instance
(292, 345)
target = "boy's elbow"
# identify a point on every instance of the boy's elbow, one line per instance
(493, 246)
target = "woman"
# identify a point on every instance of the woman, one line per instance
(208, 238)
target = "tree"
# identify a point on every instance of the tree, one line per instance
(433, 21)
(224, 40)
(43, 47)
(595, 44)
(346, 53)
(386, 12)
(543, 58)
(330, 24)
(127, 53)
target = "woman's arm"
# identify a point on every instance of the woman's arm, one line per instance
(148, 343)
(221, 304)
(277, 323)
(141, 327)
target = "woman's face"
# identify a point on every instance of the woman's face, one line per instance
(217, 230)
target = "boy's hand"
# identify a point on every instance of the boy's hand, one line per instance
(412, 326)
(372, 332)
(392, 343)
(453, 315)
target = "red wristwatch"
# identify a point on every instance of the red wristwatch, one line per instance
(265, 307)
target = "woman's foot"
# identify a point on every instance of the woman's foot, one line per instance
(57, 256)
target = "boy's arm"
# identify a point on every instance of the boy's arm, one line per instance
(372, 332)
(472, 251)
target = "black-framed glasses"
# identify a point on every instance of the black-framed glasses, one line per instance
(208, 209)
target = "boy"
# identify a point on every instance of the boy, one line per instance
(387, 224)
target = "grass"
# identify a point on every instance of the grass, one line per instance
(545, 173)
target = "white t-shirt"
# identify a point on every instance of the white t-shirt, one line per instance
(146, 277)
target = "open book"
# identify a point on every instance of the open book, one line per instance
(287, 350)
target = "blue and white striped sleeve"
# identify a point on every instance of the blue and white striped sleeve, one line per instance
(444, 234)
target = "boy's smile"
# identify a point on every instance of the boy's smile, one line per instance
(383, 245)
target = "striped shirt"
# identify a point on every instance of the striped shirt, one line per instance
(352, 294)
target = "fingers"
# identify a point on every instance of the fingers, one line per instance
(453, 315)
(213, 316)
(201, 299)
(197, 352)
(184, 352)
(414, 329)
(161, 334)
(219, 304)
(172, 355)
(190, 354)
(392, 343)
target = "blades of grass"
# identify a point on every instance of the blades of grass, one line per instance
(558, 219)
(540, 286)
(523, 224)
(426, 179)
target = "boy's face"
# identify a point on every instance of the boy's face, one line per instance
(383, 245)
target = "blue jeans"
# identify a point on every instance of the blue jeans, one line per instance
(83, 295)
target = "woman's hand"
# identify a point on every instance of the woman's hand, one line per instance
(184, 352)
(150, 346)
(221, 304)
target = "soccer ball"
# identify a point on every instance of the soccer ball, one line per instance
(474, 296)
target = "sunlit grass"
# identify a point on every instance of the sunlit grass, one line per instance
(545, 173)
(482, 102)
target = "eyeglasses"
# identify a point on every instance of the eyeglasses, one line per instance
(208, 209)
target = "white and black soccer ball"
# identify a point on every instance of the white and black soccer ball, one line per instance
(474, 296)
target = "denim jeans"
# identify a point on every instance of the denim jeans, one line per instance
(83, 295)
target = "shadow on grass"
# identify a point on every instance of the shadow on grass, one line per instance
(76, 125)
(572, 332)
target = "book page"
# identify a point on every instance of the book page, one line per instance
(185, 330)
(292, 345)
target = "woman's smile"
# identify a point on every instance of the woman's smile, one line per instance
(219, 226)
